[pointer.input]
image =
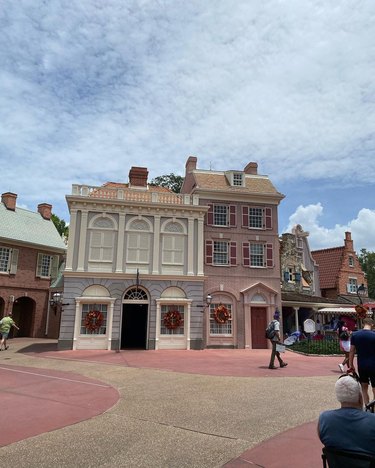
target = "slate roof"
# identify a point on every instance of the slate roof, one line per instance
(329, 262)
(255, 184)
(28, 227)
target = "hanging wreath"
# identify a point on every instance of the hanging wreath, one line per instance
(221, 314)
(361, 311)
(173, 319)
(93, 320)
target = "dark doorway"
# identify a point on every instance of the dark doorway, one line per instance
(134, 326)
(23, 313)
(258, 327)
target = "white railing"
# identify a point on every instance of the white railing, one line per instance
(134, 195)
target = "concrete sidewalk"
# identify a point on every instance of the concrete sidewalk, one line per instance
(207, 408)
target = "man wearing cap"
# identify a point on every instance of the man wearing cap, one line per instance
(274, 340)
(349, 427)
(363, 344)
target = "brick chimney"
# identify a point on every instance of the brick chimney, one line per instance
(138, 176)
(45, 210)
(9, 200)
(251, 168)
(191, 164)
(348, 242)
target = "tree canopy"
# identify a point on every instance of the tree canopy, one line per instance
(171, 181)
(61, 226)
(367, 261)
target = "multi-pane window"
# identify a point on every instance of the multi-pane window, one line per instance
(352, 285)
(221, 215)
(138, 242)
(101, 329)
(173, 249)
(220, 328)
(4, 259)
(237, 179)
(256, 218)
(47, 266)
(178, 326)
(351, 261)
(220, 253)
(257, 255)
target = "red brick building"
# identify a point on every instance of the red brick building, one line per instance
(31, 251)
(340, 271)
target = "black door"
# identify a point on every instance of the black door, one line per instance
(134, 326)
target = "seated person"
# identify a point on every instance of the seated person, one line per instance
(349, 427)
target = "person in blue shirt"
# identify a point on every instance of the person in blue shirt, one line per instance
(363, 344)
(349, 427)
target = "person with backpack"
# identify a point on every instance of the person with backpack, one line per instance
(273, 334)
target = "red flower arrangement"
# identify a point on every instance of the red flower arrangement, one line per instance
(93, 320)
(221, 314)
(173, 319)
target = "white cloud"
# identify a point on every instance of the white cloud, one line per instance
(320, 237)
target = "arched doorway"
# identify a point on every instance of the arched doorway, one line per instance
(2, 307)
(134, 323)
(23, 315)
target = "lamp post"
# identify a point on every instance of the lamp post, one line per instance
(56, 300)
(361, 291)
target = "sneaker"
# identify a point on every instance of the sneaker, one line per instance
(283, 364)
(272, 367)
(341, 367)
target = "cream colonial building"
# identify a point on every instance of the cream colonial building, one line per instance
(141, 261)
(135, 261)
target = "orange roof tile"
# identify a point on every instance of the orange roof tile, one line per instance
(329, 262)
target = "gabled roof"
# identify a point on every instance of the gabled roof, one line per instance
(28, 227)
(254, 184)
(329, 262)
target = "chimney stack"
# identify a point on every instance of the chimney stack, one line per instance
(138, 176)
(348, 241)
(45, 210)
(191, 164)
(251, 168)
(9, 200)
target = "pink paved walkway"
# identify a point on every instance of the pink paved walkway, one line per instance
(34, 401)
(30, 394)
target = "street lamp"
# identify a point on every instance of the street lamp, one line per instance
(361, 291)
(56, 300)
(208, 302)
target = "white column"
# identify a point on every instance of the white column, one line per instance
(188, 313)
(200, 252)
(110, 324)
(82, 242)
(156, 256)
(120, 243)
(71, 243)
(296, 317)
(190, 249)
(77, 325)
(157, 325)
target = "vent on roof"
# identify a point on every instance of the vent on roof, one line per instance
(9, 200)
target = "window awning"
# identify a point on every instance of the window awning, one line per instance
(340, 311)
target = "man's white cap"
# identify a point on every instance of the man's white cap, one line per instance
(347, 390)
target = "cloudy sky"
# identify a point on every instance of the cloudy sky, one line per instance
(89, 88)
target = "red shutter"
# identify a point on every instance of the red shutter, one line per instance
(269, 250)
(210, 214)
(268, 216)
(209, 251)
(246, 253)
(245, 216)
(233, 253)
(232, 216)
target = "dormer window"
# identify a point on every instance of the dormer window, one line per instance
(237, 179)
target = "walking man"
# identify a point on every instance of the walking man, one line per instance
(363, 343)
(274, 340)
(5, 324)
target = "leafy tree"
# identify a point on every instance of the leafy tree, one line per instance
(171, 181)
(367, 261)
(61, 226)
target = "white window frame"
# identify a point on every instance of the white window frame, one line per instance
(47, 265)
(237, 180)
(142, 245)
(179, 331)
(221, 329)
(351, 261)
(352, 286)
(217, 215)
(258, 214)
(101, 307)
(217, 252)
(257, 259)
(104, 226)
